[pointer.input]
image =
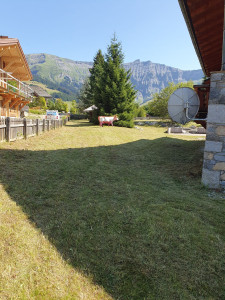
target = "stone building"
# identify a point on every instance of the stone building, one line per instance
(205, 22)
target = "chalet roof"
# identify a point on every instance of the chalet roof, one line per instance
(90, 108)
(11, 53)
(40, 92)
(204, 19)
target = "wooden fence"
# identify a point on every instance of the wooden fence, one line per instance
(12, 129)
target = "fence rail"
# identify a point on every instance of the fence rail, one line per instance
(12, 129)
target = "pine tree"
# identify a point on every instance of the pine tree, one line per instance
(97, 73)
(109, 86)
(117, 92)
(84, 98)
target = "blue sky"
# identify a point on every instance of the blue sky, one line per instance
(148, 29)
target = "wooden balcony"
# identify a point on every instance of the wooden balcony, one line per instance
(14, 95)
(10, 85)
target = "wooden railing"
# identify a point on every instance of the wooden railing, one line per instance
(12, 129)
(10, 83)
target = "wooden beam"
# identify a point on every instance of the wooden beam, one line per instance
(19, 74)
(17, 104)
(6, 100)
(13, 102)
(9, 58)
(9, 65)
(3, 51)
(17, 66)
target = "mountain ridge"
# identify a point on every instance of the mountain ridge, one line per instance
(67, 76)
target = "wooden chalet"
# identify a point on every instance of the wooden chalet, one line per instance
(40, 92)
(205, 21)
(206, 24)
(14, 69)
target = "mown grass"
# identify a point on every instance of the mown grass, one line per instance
(94, 213)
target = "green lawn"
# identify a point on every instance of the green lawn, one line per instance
(100, 213)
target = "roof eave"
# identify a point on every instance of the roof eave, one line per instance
(186, 14)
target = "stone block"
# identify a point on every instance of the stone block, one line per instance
(216, 76)
(214, 137)
(209, 164)
(176, 130)
(223, 77)
(210, 128)
(222, 184)
(219, 158)
(219, 166)
(222, 96)
(214, 95)
(216, 113)
(208, 155)
(222, 177)
(212, 84)
(220, 130)
(211, 146)
(201, 130)
(211, 178)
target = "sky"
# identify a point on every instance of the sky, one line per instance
(152, 30)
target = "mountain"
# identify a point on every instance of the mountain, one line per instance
(150, 78)
(61, 74)
(66, 76)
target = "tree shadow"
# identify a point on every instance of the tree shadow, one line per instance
(98, 206)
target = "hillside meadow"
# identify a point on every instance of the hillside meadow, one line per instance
(109, 213)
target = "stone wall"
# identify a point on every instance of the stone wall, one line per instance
(213, 174)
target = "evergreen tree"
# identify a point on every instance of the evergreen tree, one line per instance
(85, 98)
(97, 74)
(117, 94)
(109, 87)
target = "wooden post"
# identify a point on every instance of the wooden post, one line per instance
(54, 124)
(37, 127)
(48, 125)
(25, 128)
(43, 125)
(8, 129)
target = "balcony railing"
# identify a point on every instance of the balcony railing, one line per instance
(12, 84)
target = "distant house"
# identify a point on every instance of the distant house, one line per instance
(14, 69)
(40, 92)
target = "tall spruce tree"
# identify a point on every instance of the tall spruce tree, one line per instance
(97, 73)
(84, 99)
(117, 92)
(109, 86)
(91, 88)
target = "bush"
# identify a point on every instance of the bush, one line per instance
(38, 102)
(124, 123)
(141, 112)
(37, 111)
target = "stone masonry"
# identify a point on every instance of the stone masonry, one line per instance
(213, 173)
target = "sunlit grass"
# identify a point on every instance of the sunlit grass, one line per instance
(92, 213)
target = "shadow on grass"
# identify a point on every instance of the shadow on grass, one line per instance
(127, 215)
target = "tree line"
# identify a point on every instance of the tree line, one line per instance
(41, 103)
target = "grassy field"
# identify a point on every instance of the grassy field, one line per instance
(109, 213)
